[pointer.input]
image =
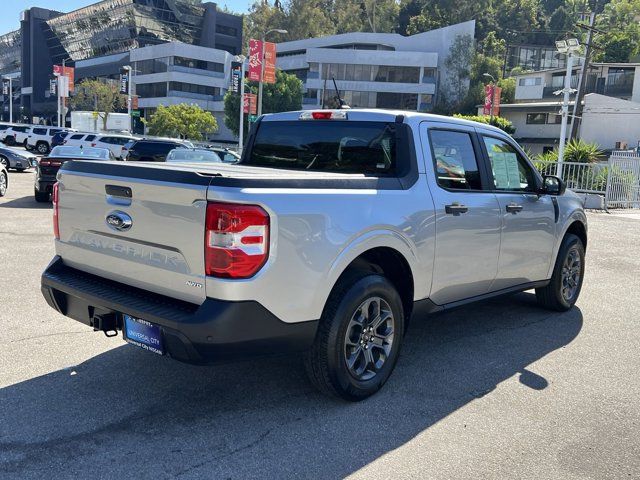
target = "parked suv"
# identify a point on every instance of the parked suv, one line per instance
(77, 139)
(153, 150)
(113, 142)
(40, 139)
(335, 229)
(16, 135)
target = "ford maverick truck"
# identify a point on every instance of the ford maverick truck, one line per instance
(334, 230)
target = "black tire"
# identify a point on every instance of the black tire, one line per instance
(42, 147)
(562, 293)
(4, 161)
(41, 197)
(10, 141)
(326, 361)
(4, 183)
(20, 170)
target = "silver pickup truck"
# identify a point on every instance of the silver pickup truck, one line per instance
(334, 230)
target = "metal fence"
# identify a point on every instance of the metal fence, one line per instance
(617, 180)
(580, 177)
(623, 185)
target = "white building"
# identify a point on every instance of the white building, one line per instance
(174, 73)
(611, 107)
(383, 70)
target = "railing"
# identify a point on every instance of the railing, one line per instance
(580, 177)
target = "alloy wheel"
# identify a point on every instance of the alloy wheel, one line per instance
(3, 184)
(571, 271)
(369, 338)
(4, 161)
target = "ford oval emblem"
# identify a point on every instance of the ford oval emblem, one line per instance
(119, 221)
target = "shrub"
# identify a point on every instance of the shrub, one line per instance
(501, 123)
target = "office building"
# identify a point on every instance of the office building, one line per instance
(377, 70)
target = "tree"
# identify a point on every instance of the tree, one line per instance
(182, 121)
(99, 96)
(619, 20)
(501, 123)
(458, 64)
(283, 96)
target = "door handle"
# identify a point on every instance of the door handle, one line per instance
(455, 209)
(514, 208)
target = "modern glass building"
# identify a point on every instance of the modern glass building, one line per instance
(99, 35)
(373, 70)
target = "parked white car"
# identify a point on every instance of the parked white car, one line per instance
(40, 138)
(78, 139)
(114, 142)
(16, 135)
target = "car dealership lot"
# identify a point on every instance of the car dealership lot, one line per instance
(497, 390)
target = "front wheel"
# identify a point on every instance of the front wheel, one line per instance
(41, 197)
(42, 148)
(358, 339)
(566, 282)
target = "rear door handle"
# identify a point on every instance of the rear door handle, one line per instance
(513, 208)
(455, 209)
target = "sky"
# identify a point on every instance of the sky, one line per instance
(10, 18)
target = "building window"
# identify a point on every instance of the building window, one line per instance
(154, 65)
(198, 64)
(554, 119)
(226, 30)
(370, 73)
(151, 90)
(193, 88)
(536, 118)
(530, 81)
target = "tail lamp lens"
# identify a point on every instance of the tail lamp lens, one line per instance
(236, 240)
(56, 218)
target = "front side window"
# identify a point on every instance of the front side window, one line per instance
(76, 137)
(509, 169)
(326, 146)
(455, 160)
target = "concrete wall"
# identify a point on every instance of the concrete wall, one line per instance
(607, 120)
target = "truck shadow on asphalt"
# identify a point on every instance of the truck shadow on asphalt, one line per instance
(25, 202)
(128, 410)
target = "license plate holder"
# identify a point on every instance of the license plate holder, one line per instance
(143, 334)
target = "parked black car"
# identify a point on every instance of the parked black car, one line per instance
(151, 150)
(48, 167)
(58, 138)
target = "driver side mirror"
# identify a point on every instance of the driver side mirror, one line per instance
(552, 185)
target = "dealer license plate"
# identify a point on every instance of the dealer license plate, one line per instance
(143, 334)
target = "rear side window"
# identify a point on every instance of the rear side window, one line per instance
(40, 131)
(326, 146)
(108, 140)
(455, 160)
(90, 138)
(53, 131)
(76, 137)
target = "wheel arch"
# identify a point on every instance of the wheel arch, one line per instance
(388, 254)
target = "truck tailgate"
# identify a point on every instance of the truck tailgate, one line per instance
(163, 249)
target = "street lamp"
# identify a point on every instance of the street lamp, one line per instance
(241, 59)
(568, 48)
(493, 82)
(273, 30)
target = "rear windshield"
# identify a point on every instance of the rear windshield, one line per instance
(326, 146)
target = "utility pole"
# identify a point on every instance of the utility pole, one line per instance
(568, 48)
(241, 59)
(10, 100)
(582, 82)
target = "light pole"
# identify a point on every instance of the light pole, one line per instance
(568, 48)
(493, 94)
(10, 98)
(273, 30)
(128, 69)
(241, 59)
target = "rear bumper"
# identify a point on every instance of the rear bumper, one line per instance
(201, 334)
(45, 183)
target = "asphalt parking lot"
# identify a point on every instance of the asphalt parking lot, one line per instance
(497, 390)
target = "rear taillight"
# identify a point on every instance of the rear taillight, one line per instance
(236, 240)
(55, 198)
(44, 163)
(93, 144)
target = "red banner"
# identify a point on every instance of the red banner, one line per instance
(269, 62)
(491, 92)
(68, 72)
(255, 60)
(250, 103)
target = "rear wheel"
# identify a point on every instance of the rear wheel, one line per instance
(10, 141)
(358, 339)
(566, 282)
(4, 181)
(42, 148)
(41, 196)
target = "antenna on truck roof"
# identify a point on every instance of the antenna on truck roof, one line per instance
(341, 102)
